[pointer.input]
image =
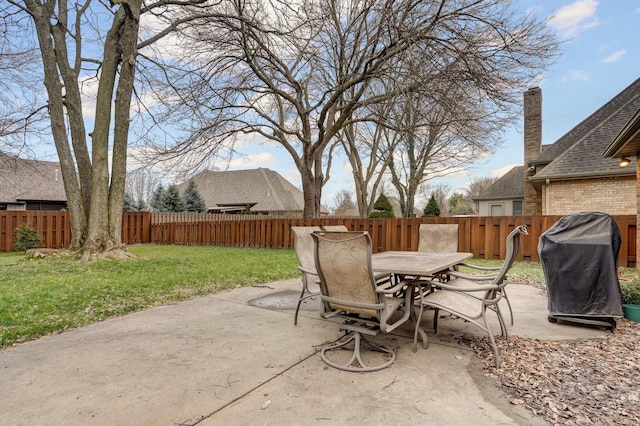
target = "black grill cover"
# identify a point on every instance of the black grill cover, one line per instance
(579, 257)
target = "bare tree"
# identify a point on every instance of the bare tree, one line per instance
(477, 186)
(18, 102)
(296, 73)
(441, 194)
(141, 184)
(75, 51)
(361, 139)
(343, 202)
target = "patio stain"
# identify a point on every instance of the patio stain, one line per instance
(285, 300)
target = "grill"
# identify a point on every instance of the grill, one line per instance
(579, 258)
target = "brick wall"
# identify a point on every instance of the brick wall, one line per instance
(615, 196)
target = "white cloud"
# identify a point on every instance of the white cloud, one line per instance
(263, 159)
(502, 170)
(293, 176)
(576, 75)
(615, 56)
(574, 18)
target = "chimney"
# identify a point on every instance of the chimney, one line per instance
(532, 147)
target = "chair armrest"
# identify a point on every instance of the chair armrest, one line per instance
(480, 268)
(307, 271)
(462, 289)
(391, 290)
(472, 277)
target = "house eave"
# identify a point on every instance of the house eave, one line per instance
(596, 175)
(510, 197)
(627, 142)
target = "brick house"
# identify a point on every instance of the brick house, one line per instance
(626, 146)
(30, 184)
(572, 175)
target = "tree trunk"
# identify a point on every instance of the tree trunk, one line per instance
(94, 199)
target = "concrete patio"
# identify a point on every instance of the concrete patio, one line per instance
(235, 358)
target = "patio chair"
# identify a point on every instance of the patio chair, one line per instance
(349, 291)
(436, 238)
(467, 299)
(335, 228)
(303, 245)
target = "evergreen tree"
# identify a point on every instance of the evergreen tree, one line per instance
(129, 204)
(140, 205)
(193, 201)
(382, 207)
(172, 200)
(158, 199)
(432, 209)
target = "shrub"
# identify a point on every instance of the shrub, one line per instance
(630, 292)
(27, 238)
(432, 209)
(380, 214)
(382, 208)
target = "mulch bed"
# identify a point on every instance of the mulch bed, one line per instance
(580, 382)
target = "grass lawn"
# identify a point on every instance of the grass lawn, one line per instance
(45, 296)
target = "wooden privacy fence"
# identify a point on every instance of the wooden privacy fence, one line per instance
(55, 229)
(483, 236)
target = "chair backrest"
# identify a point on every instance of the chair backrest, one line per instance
(513, 247)
(343, 262)
(303, 246)
(438, 238)
(335, 228)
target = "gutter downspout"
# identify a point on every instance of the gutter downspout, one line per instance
(546, 197)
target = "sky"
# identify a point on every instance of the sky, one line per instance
(600, 56)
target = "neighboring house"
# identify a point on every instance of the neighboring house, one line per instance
(572, 175)
(263, 190)
(397, 211)
(505, 197)
(30, 184)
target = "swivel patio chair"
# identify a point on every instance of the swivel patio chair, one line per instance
(349, 291)
(466, 299)
(303, 245)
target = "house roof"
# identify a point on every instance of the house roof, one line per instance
(510, 185)
(579, 153)
(266, 189)
(397, 210)
(627, 142)
(29, 180)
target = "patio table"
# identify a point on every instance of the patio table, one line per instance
(415, 263)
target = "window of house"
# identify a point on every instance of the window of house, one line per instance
(496, 210)
(517, 207)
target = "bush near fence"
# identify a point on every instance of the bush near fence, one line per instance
(484, 236)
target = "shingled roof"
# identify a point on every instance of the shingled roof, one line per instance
(264, 189)
(508, 186)
(29, 180)
(578, 154)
